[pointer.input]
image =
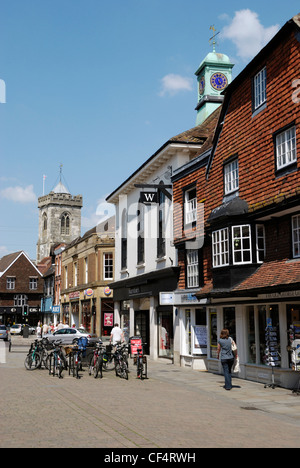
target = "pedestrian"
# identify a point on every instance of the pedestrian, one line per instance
(227, 357)
(39, 330)
(45, 329)
(116, 335)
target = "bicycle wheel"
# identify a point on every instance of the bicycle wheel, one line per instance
(60, 368)
(32, 361)
(145, 370)
(92, 364)
(108, 363)
(54, 364)
(96, 369)
(140, 368)
(124, 371)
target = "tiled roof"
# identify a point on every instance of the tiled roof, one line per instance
(6, 261)
(277, 274)
(203, 133)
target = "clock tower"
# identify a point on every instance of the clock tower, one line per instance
(213, 75)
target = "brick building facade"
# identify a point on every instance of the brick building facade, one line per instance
(248, 269)
(21, 289)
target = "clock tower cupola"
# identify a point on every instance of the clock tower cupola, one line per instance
(213, 75)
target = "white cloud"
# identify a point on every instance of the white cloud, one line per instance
(172, 84)
(248, 34)
(103, 211)
(19, 194)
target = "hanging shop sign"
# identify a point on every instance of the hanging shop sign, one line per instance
(149, 197)
(166, 298)
(56, 309)
(107, 291)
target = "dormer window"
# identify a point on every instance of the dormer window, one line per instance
(231, 177)
(260, 89)
(190, 206)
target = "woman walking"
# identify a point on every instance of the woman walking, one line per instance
(227, 357)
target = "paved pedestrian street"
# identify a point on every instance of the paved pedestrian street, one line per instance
(174, 408)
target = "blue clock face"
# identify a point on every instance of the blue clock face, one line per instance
(218, 81)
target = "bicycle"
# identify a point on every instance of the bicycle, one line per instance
(120, 359)
(108, 359)
(96, 362)
(46, 348)
(141, 363)
(79, 353)
(57, 360)
(33, 358)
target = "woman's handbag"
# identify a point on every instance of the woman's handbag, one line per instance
(233, 347)
(236, 366)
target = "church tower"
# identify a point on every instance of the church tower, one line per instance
(59, 219)
(214, 75)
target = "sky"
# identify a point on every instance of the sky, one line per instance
(99, 86)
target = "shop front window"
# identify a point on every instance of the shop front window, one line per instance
(125, 319)
(75, 314)
(165, 334)
(268, 316)
(251, 335)
(263, 335)
(188, 341)
(213, 333)
(86, 315)
(293, 327)
(229, 321)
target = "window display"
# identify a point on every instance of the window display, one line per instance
(165, 334)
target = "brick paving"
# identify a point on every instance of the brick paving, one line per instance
(174, 408)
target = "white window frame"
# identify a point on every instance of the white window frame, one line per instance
(296, 236)
(108, 266)
(190, 207)
(260, 242)
(286, 150)
(260, 88)
(238, 244)
(231, 177)
(10, 282)
(20, 300)
(33, 284)
(220, 247)
(192, 268)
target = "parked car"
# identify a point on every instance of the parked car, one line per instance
(32, 330)
(67, 335)
(4, 333)
(16, 329)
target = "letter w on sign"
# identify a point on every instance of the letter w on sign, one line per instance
(149, 197)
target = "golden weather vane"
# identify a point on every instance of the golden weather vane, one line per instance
(213, 38)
